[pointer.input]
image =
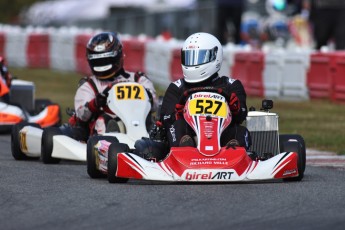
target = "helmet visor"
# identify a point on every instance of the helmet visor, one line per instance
(198, 57)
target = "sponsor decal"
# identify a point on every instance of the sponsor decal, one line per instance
(213, 96)
(23, 146)
(289, 172)
(172, 132)
(231, 80)
(177, 83)
(209, 161)
(166, 117)
(211, 175)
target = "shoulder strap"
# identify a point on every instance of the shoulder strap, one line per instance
(93, 85)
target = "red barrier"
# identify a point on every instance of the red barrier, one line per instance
(240, 69)
(134, 50)
(248, 68)
(82, 66)
(320, 74)
(175, 66)
(2, 44)
(255, 74)
(338, 94)
(37, 52)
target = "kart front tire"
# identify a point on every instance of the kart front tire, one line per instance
(299, 148)
(17, 153)
(91, 155)
(114, 150)
(47, 145)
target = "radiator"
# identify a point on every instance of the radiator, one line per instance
(264, 132)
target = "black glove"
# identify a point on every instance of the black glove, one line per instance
(101, 100)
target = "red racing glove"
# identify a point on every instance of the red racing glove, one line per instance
(234, 104)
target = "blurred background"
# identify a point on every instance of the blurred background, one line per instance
(282, 22)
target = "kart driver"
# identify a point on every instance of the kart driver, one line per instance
(201, 59)
(106, 58)
(5, 81)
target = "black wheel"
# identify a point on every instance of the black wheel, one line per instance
(288, 144)
(113, 150)
(16, 144)
(47, 145)
(92, 155)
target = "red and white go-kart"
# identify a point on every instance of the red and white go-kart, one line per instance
(207, 112)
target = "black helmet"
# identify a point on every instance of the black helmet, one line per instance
(104, 54)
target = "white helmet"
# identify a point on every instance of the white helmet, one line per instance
(201, 57)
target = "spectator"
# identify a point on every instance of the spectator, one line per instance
(229, 11)
(327, 18)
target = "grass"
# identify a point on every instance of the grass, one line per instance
(320, 122)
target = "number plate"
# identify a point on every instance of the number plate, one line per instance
(207, 106)
(129, 92)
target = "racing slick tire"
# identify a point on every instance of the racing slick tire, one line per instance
(91, 155)
(16, 140)
(287, 144)
(47, 145)
(115, 149)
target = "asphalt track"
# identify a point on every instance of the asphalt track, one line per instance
(38, 196)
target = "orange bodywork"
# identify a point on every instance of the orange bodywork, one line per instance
(52, 118)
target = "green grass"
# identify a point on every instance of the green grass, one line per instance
(320, 122)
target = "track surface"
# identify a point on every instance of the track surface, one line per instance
(38, 196)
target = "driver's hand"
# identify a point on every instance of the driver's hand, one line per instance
(101, 100)
(234, 104)
(179, 111)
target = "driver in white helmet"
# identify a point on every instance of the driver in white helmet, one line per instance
(201, 59)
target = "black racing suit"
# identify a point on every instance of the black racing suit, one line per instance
(175, 129)
(162, 138)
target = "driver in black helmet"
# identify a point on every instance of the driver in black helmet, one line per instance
(105, 57)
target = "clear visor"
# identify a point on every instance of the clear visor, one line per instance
(198, 57)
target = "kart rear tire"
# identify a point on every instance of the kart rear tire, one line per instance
(47, 145)
(299, 148)
(17, 153)
(115, 149)
(91, 158)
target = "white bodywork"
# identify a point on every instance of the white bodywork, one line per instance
(132, 113)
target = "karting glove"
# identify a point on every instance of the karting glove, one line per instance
(234, 104)
(178, 111)
(100, 101)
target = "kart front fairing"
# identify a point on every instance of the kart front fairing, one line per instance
(208, 114)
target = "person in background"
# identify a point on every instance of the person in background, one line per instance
(327, 18)
(229, 11)
(5, 81)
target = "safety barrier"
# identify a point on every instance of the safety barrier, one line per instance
(320, 74)
(280, 74)
(37, 53)
(248, 68)
(338, 94)
(82, 66)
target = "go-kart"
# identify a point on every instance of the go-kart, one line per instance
(24, 108)
(207, 112)
(129, 101)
